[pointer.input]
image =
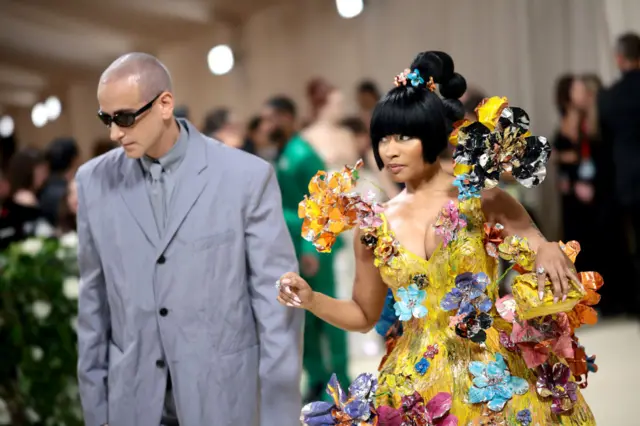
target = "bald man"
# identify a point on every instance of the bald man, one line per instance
(182, 240)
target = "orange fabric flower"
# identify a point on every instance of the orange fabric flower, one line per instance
(583, 313)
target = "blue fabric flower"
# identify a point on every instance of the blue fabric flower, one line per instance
(410, 303)
(468, 186)
(415, 78)
(493, 383)
(524, 417)
(469, 291)
(422, 366)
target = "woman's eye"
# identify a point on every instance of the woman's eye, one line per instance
(404, 138)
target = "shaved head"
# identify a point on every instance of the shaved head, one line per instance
(137, 105)
(141, 69)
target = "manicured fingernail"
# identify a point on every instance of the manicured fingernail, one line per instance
(287, 289)
(285, 281)
(541, 295)
(555, 299)
(297, 304)
(297, 299)
(289, 305)
(564, 297)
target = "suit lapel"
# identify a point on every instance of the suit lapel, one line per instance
(135, 196)
(191, 182)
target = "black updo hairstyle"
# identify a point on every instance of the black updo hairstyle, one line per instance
(419, 113)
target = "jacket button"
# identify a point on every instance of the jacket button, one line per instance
(164, 312)
(162, 259)
(160, 363)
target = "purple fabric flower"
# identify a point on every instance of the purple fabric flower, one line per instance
(554, 382)
(356, 407)
(468, 294)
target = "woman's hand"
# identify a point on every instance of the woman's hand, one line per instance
(294, 292)
(552, 263)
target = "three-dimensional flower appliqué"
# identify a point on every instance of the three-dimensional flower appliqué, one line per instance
(449, 222)
(494, 384)
(410, 303)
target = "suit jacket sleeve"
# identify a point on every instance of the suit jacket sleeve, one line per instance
(270, 254)
(93, 323)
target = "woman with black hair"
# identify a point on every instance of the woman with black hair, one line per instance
(466, 356)
(20, 214)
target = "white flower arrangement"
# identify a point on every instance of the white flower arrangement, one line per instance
(39, 288)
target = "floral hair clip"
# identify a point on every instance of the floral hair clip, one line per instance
(431, 85)
(414, 78)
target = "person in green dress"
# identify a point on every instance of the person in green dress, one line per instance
(297, 163)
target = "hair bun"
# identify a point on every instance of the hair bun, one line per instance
(440, 66)
(454, 88)
(430, 65)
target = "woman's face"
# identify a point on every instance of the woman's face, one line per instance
(72, 197)
(40, 176)
(261, 135)
(402, 157)
(580, 96)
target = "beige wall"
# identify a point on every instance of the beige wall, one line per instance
(515, 48)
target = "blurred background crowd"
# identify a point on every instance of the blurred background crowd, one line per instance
(573, 65)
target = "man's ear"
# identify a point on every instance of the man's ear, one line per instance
(167, 104)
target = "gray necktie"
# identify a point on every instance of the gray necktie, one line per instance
(155, 170)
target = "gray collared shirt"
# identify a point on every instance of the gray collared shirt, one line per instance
(160, 194)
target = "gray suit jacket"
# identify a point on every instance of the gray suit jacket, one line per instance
(199, 302)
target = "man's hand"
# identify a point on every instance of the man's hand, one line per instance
(309, 265)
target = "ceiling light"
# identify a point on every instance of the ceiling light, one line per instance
(6, 126)
(39, 115)
(220, 59)
(349, 8)
(54, 108)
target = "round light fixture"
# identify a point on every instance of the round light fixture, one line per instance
(220, 59)
(54, 108)
(6, 126)
(349, 8)
(39, 115)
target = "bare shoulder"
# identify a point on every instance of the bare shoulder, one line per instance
(394, 206)
(499, 206)
(496, 198)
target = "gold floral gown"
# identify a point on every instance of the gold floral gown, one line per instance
(465, 355)
(431, 338)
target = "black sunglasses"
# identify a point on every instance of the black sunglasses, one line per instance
(125, 118)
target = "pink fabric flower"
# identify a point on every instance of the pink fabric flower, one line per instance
(449, 222)
(432, 351)
(506, 307)
(413, 411)
(538, 338)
